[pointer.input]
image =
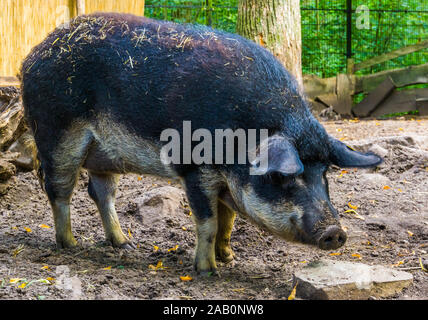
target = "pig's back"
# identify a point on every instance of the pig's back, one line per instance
(150, 75)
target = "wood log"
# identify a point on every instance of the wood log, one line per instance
(400, 101)
(315, 86)
(329, 100)
(12, 123)
(422, 106)
(374, 98)
(344, 87)
(402, 77)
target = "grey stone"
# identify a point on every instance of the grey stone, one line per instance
(160, 204)
(374, 179)
(72, 286)
(342, 280)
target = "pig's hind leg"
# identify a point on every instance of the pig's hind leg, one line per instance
(102, 189)
(58, 175)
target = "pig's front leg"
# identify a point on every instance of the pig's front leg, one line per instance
(202, 192)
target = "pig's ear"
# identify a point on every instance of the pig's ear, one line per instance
(277, 154)
(344, 156)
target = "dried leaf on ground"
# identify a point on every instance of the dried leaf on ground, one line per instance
(293, 292)
(186, 278)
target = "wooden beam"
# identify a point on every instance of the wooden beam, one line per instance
(374, 98)
(400, 101)
(422, 106)
(402, 77)
(344, 87)
(391, 55)
(315, 86)
(9, 82)
(80, 4)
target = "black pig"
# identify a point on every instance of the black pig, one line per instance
(99, 92)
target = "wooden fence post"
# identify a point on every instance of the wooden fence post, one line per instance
(80, 4)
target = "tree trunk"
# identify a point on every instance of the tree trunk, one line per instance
(274, 24)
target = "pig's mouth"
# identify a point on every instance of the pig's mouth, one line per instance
(332, 238)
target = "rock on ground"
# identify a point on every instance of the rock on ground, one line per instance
(342, 280)
(159, 205)
(71, 286)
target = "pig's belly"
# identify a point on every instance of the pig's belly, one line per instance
(126, 154)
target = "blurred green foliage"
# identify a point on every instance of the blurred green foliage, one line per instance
(393, 24)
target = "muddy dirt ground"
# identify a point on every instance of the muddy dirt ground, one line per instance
(389, 229)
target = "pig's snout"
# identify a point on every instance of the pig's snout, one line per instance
(332, 238)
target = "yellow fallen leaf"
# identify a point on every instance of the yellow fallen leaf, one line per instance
(190, 213)
(400, 129)
(158, 266)
(139, 178)
(386, 187)
(399, 263)
(355, 214)
(50, 279)
(18, 250)
(335, 254)
(352, 206)
(410, 233)
(184, 228)
(399, 190)
(356, 255)
(173, 249)
(238, 290)
(342, 173)
(341, 139)
(422, 265)
(304, 261)
(22, 285)
(15, 280)
(186, 278)
(15, 228)
(339, 130)
(107, 268)
(46, 268)
(129, 233)
(44, 226)
(293, 292)
(378, 123)
(27, 229)
(156, 248)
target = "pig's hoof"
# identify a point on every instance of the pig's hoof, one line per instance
(66, 243)
(209, 273)
(225, 255)
(128, 246)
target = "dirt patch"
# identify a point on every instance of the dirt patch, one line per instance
(390, 229)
